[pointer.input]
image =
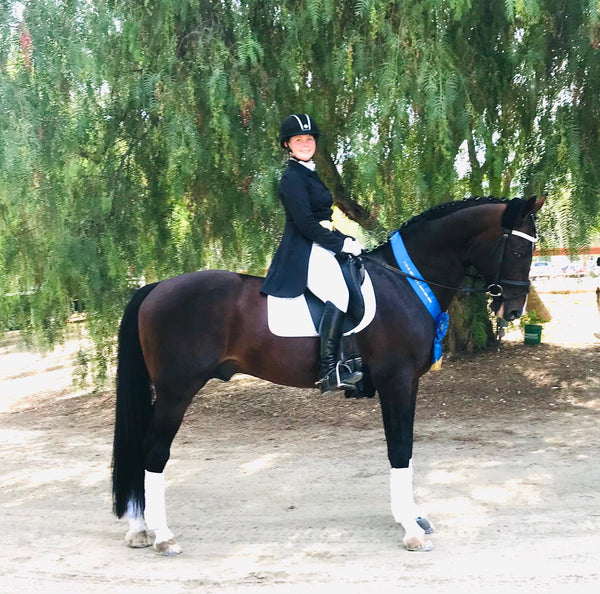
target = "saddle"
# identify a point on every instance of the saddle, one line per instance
(301, 316)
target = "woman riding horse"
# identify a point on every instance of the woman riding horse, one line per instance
(306, 256)
(179, 333)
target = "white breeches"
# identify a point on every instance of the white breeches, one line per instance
(325, 278)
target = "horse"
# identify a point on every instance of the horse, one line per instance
(178, 333)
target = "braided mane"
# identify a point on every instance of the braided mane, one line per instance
(447, 208)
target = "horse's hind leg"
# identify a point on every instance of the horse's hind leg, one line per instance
(138, 536)
(155, 514)
(169, 408)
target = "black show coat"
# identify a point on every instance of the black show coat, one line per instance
(306, 201)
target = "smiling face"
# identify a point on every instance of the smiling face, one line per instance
(302, 147)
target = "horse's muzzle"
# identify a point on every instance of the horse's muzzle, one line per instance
(509, 307)
(509, 310)
(512, 314)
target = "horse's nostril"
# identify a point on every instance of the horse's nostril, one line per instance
(512, 314)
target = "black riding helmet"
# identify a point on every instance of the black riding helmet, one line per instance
(296, 125)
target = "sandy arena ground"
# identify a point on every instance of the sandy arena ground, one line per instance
(273, 489)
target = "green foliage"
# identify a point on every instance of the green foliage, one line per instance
(138, 140)
(471, 328)
(531, 317)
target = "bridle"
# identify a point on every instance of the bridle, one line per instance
(495, 289)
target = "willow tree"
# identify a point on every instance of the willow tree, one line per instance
(138, 139)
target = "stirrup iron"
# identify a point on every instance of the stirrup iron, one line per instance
(332, 380)
(353, 376)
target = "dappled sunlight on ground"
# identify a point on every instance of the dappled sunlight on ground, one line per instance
(26, 374)
(575, 319)
(280, 489)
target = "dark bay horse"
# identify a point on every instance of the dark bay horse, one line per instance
(177, 334)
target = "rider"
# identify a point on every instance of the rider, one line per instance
(306, 256)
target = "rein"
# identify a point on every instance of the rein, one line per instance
(495, 289)
(422, 280)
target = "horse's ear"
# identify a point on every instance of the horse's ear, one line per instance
(529, 206)
(517, 210)
(540, 202)
(532, 205)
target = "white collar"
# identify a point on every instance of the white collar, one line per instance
(308, 164)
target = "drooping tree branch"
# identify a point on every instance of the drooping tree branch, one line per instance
(342, 198)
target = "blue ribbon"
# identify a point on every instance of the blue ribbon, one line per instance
(441, 327)
(423, 291)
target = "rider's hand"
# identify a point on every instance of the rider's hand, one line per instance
(351, 246)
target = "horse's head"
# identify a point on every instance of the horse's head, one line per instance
(506, 261)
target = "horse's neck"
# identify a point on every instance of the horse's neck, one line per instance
(439, 248)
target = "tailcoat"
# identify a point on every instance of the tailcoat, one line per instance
(306, 202)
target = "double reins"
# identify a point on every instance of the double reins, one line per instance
(495, 289)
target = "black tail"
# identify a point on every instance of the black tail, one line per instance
(134, 409)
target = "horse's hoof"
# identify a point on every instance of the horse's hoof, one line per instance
(168, 548)
(139, 540)
(426, 525)
(417, 543)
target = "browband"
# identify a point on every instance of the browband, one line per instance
(523, 235)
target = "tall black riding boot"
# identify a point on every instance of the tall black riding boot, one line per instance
(333, 373)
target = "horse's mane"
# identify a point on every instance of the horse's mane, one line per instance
(445, 209)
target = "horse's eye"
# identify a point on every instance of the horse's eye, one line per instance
(518, 255)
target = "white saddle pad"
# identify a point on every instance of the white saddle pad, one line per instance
(290, 316)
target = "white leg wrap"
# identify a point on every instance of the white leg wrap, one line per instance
(404, 508)
(155, 513)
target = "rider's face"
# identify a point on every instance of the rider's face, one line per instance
(303, 147)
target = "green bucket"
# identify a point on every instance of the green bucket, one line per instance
(532, 333)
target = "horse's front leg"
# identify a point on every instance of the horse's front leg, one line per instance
(398, 398)
(406, 512)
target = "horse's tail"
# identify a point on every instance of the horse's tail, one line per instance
(133, 411)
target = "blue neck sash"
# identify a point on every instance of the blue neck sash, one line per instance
(423, 291)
